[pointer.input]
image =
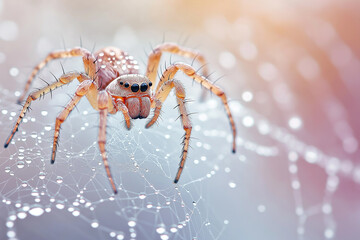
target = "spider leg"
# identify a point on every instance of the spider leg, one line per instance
(120, 106)
(169, 74)
(64, 79)
(155, 56)
(81, 91)
(104, 101)
(158, 105)
(87, 58)
(187, 127)
(160, 97)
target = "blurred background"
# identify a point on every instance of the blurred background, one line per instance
(291, 70)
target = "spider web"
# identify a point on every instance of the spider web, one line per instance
(143, 162)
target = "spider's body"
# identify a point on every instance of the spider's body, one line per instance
(111, 82)
(112, 63)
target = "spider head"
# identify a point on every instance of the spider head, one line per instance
(134, 89)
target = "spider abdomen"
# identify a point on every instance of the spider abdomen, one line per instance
(139, 107)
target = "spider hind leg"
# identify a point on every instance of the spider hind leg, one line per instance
(87, 58)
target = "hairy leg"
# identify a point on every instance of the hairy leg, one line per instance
(169, 74)
(81, 90)
(155, 56)
(103, 102)
(87, 58)
(160, 97)
(64, 79)
(120, 106)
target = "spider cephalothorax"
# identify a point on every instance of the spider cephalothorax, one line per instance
(134, 91)
(111, 82)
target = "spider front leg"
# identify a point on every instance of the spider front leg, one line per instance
(120, 106)
(88, 60)
(64, 79)
(104, 103)
(81, 91)
(173, 48)
(160, 97)
(169, 74)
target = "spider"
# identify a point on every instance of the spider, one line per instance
(111, 82)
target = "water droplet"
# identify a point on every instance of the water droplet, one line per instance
(295, 184)
(248, 50)
(248, 121)
(261, 208)
(164, 237)
(94, 224)
(33, 134)
(329, 233)
(247, 96)
(173, 229)
(47, 127)
(44, 113)
(268, 71)
(120, 236)
(59, 179)
(34, 193)
(232, 184)
(7, 169)
(160, 229)
(21, 215)
(132, 223)
(28, 160)
(8, 30)
(20, 164)
(14, 71)
(203, 117)
(9, 224)
(326, 208)
(24, 184)
(42, 175)
(36, 211)
(295, 123)
(142, 196)
(11, 234)
(311, 155)
(60, 206)
(21, 156)
(227, 60)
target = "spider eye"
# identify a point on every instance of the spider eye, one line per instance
(143, 87)
(126, 85)
(150, 84)
(121, 83)
(135, 87)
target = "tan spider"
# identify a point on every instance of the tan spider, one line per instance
(111, 83)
